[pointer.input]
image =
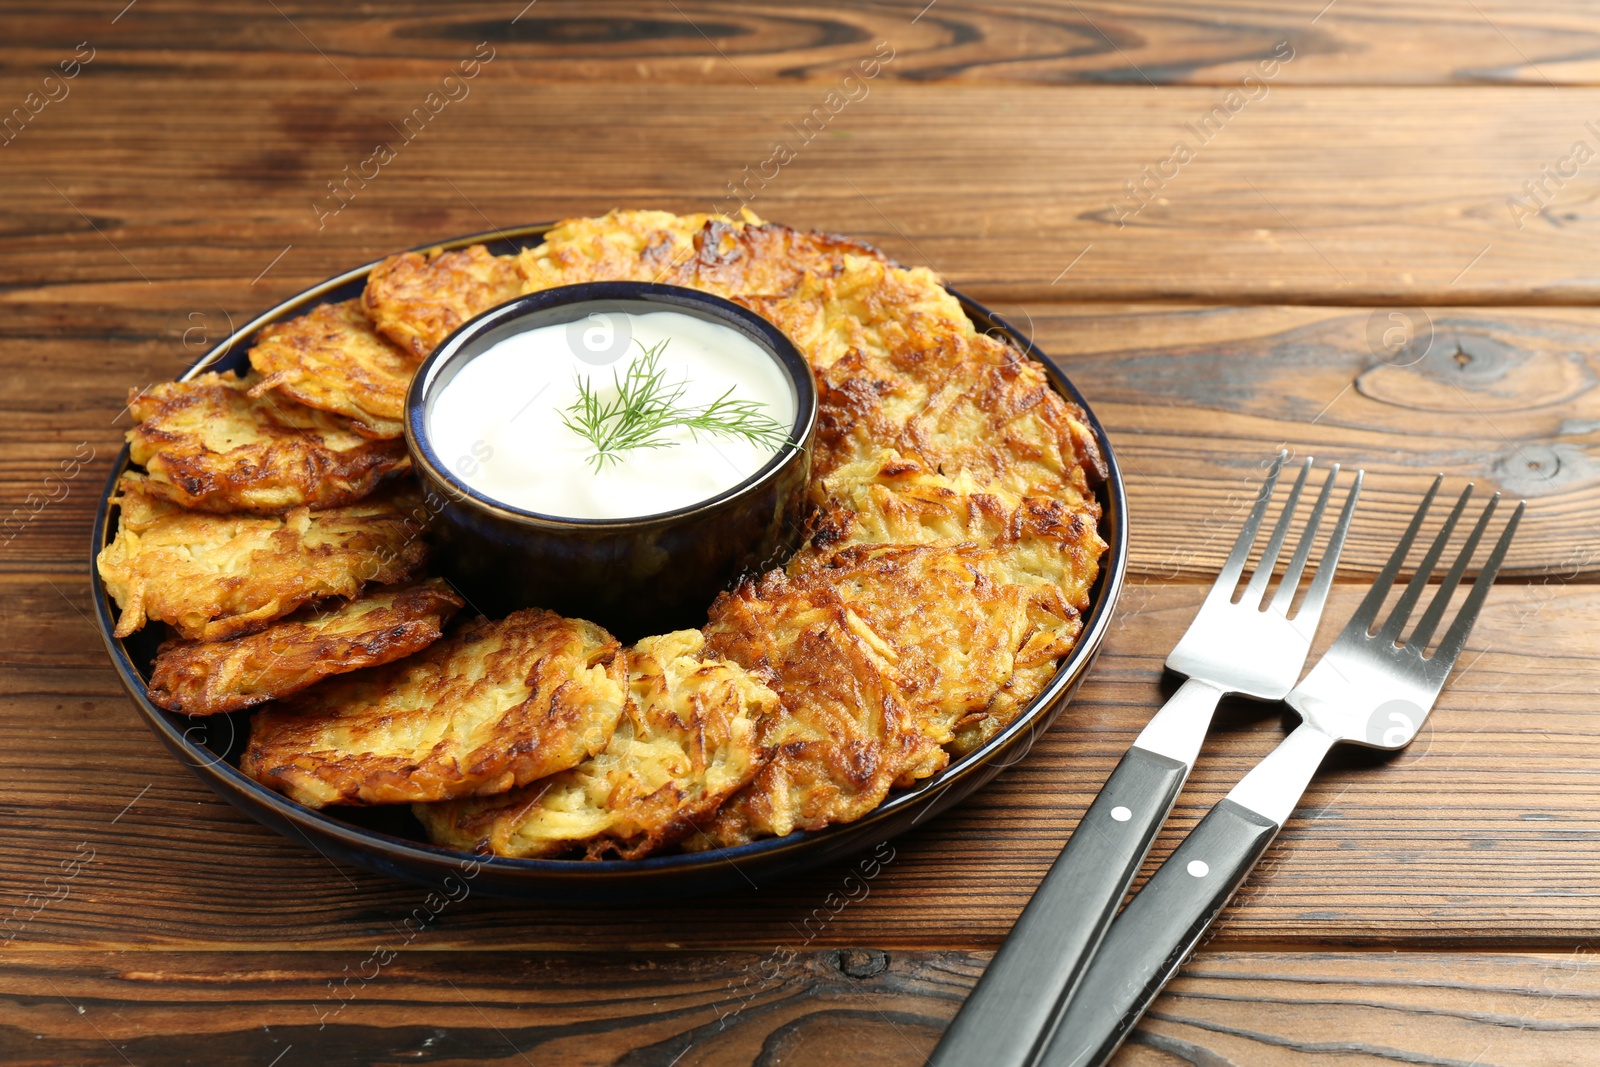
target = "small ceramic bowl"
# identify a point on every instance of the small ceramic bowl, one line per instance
(635, 576)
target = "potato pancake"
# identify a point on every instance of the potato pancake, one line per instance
(417, 299)
(899, 364)
(1001, 424)
(213, 577)
(331, 359)
(889, 499)
(380, 626)
(689, 739)
(892, 498)
(715, 253)
(965, 596)
(494, 706)
(208, 445)
(847, 732)
(903, 321)
(641, 246)
(1006, 426)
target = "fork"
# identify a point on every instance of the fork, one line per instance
(1242, 648)
(1369, 689)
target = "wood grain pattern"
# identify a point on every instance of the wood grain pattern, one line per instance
(1156, 42)
(1483, 833)
(1004, 201)
(1195, 397)
(1211, 314)
(844, 1007)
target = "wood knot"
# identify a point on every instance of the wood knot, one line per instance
(1535, 469)
(862, 962)
(1466, 371)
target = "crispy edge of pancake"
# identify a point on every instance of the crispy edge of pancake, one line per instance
(494, 706)
(208, 446)
(1023, 686)
(689, 740)
(213, 577)
(380, 626)
(417, 299)
(331, 359)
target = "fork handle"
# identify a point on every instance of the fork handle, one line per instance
(1160, 927)
(1004, 1022)
(1156, 932)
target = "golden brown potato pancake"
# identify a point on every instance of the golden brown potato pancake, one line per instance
(716, 253)
(332, 360)
(209, 446)
(900, 320)
(642, 246)
(382, 625)
(1009, 428)
(958, 601)
(494, 706)
(847, 732)
(892, 499)
(214, 577)
(899, 365)
(689, 739)
(417, 299)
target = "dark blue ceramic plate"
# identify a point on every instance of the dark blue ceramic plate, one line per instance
(389, 841)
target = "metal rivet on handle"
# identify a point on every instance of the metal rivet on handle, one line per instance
(1121, 814)
(1199, 868)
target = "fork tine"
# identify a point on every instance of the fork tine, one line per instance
(1419, 580)
(1361, 621)
(1311, 607)
(1455, 638)
(1247, 535)
(1297, 564)
(1441, 600)
(1280, 529)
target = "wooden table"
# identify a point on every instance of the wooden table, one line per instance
(1411, 167)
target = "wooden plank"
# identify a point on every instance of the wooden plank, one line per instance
(1015, 184)
(1482, 834)
(1354, 42)
(1194, 399)
(390, 1005)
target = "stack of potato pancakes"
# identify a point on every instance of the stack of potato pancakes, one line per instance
(276, 528)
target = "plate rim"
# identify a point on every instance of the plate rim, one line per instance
(204, 763)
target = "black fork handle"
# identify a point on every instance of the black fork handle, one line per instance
(1156, 932)
(1006, 1020)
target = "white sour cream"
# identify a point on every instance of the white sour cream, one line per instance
(497, 425)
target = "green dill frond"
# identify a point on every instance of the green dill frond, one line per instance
(646, 406)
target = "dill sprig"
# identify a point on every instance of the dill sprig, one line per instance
(646, 405)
